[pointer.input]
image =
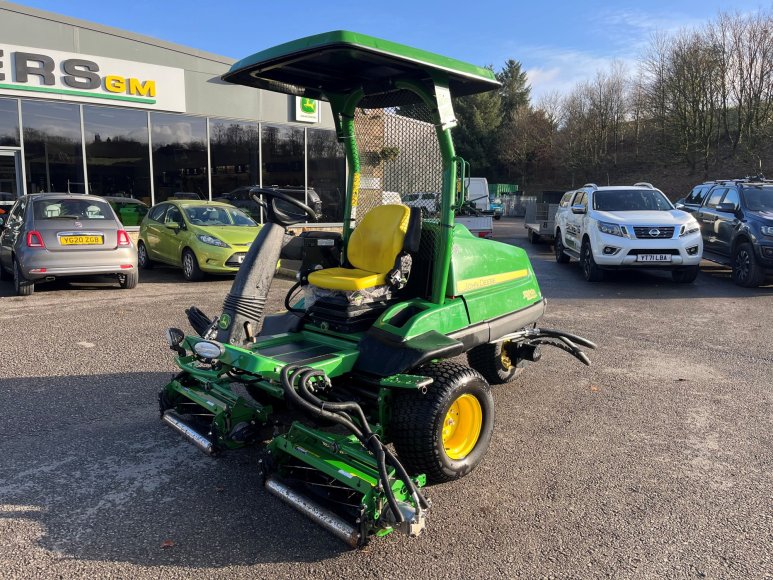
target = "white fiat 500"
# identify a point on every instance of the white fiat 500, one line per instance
(626, 226)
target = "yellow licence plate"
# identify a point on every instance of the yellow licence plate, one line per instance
(81, 240)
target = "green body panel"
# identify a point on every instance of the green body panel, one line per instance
(166, 244)
(333, 355)
(503, 282)
(445, 318)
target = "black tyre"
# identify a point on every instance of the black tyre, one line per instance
(746, 270)
(446, 431)
(686, 275)
(533, 237)
(590, 270)
(558, 247)
(3, 274)
(143, 259)
(493, 362)
(129, 280)
(191, 270)
(21, 285)
(497, 217)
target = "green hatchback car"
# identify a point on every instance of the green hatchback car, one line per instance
(198, 236)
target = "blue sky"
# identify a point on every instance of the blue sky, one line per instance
(558, 43)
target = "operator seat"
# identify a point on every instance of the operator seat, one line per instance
(386, 233)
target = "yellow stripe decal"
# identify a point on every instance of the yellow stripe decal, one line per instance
(484, 281)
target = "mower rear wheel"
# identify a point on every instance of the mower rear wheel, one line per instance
(494, 363)
(446, 431)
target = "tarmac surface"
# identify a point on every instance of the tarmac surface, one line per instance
(655, 462)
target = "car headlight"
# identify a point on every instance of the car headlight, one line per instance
(767, 230)
(212, 241)
(689, 228)
(613, 229)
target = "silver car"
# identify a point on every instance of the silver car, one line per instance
(51, 235)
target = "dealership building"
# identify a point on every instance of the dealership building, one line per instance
(86, 108)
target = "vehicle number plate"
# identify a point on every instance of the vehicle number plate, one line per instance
(81, 240)
(653, 258)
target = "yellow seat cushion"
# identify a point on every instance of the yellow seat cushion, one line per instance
(346, 279)
(372, 250)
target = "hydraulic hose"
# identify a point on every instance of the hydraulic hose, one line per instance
(308, 401)
(366, 437)
(418, 498)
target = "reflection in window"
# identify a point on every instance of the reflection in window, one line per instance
(327, 172)
(282, 156)
(9, 123)
(52, 147)
(234, 155)
(179, 155)
(117, 152)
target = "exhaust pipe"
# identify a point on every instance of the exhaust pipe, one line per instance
(178, 424)
(322, 516)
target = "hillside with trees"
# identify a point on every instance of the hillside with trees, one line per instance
(699, 106)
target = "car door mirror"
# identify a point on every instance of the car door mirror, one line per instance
(726, 207)
(579, 208)
(679, 205)
(174, 226)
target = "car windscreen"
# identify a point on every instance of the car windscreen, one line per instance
(759, 199)
(208, 215)
(86, 208)
(631, 200)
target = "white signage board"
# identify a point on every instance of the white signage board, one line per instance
(37, 72)
(306, 110)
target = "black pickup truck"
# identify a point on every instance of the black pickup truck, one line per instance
(736, 219)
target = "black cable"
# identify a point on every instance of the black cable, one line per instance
(289, 297)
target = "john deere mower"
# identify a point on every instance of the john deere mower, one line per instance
(361, 357)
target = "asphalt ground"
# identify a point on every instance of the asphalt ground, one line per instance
(657, 461)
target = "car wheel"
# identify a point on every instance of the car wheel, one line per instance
(497, 217)
(446, 431)
(746, 270)
(21, 285)
(143, 259)
(128, 280)
(685, 275)
(3, 274)
(533, 238)
(558, 246)
(590, 270)
(494, 363)
(191, 269)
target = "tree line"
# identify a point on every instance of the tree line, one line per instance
(698, 106)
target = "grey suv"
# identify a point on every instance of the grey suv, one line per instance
(49, 235)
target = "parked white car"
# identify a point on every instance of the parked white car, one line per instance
(626, 226)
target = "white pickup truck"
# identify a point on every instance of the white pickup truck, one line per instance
(626, 226)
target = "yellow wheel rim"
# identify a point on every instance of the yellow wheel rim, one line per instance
(461, 426)
(504, 359)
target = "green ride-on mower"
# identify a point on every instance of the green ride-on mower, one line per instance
(360, 359)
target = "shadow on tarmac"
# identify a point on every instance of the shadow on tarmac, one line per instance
(87, 461)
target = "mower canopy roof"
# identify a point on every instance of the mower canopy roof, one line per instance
(342, 62)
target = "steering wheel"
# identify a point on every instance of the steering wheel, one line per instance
(277, 215)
